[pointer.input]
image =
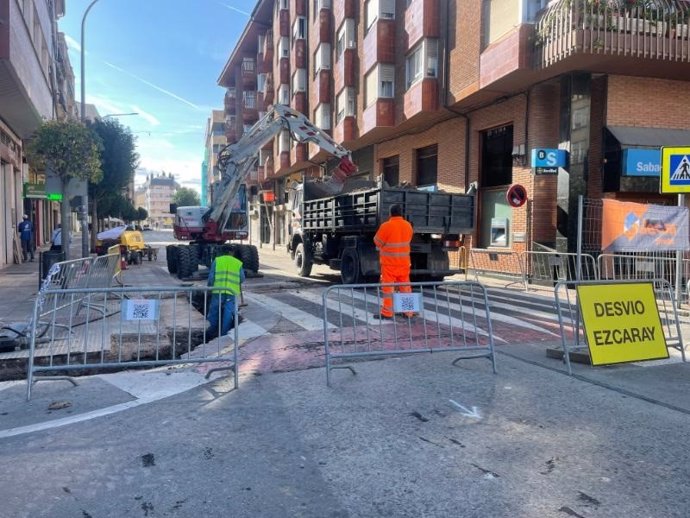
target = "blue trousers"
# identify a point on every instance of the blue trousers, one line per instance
(227, 317)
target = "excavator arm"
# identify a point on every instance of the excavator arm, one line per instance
(238, 160)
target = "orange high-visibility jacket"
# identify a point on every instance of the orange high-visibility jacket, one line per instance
(393, 242)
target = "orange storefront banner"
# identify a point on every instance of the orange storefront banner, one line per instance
(639, 227)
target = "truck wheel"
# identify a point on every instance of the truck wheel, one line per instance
(254, 262)
(349, 267)
(193, 258)
(183, 262)
(303, 261)
(244, 255)
(136, 257)
(171, 258)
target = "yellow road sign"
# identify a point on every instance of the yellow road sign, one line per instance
(675, 170)
(621, 322)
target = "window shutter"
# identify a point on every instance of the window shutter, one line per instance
(387, 9)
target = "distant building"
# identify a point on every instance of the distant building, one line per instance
(158, 194)
(215, 140)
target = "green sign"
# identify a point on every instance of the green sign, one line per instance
(35, 190)
(54, 196)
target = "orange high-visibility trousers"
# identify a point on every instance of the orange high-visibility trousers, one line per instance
(393, 274)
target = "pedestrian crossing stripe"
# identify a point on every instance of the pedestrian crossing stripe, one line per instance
(675, 170)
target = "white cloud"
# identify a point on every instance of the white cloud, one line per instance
(72, 44)
(233, 8)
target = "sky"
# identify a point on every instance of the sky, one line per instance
(161, 59)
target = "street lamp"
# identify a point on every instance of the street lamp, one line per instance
(118, 115)
(85, 199)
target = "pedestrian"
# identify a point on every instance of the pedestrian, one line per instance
(56, 239)
(393, 243)
(226, 277)
(26, 234)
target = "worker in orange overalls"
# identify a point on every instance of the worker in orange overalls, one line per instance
(393, 243)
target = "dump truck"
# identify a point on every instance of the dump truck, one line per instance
(339, 230)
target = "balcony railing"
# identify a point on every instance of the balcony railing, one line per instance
(656, 29)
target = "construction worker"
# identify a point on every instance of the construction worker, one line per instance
(393, 243)
(225, 277)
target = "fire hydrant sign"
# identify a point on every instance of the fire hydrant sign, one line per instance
(621, 322)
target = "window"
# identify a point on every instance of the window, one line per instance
(322, 57)
(260, 82)
(391, 170)
(427, 165)
(262, 42)
(283, 47)
(299, 81)
(299, 28)
(346, 37)
(284, 142)
(345, 104)
(375, 9)
(322, 116)
(379, 83)
(284, 95)
(496, 157)
(264, 154)
(422, 62)
(284, 4)
(249, 97)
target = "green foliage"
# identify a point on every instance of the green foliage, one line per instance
(117, 206)
(185, 197)
(118, 156)
(68, 149)
(142, 214)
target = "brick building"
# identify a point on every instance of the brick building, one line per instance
(214, 141)
(36, 83)
(442, 93)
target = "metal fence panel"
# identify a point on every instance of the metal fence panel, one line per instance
(92, 329)
(503, 264)
(450, 316)
(551, 267)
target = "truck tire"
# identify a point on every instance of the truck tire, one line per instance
(244, 255)
(303, 261)
(349, 267)
(136, 257)
(184, 267)
(254, 253)
(171, 258)
(194, 257)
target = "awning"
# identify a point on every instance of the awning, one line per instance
(629, 136)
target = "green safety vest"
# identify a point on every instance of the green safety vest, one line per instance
(226, 279)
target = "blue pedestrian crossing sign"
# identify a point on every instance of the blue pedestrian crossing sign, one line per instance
(675, 170)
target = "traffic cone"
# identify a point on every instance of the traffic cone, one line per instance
(123, 263)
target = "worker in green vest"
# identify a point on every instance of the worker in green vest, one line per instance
(225, 277)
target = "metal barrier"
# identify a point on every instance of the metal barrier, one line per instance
(621, 267)
(497, 263)
(573, 338)
(122, 328)
(450, 316)
(552, 267)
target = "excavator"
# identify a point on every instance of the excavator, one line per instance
(226, 219)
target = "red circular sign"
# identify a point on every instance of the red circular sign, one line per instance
(516, 195)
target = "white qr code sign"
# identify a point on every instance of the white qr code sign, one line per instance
(404, 302)
(140, 309)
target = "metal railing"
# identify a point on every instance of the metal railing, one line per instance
(655, 29)
(550, 267)
(448, 316)
(120, 328)
(500, 264)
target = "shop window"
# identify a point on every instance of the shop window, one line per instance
(427, 166)
(391, 170)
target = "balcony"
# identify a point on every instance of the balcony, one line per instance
(250, 111)
(381, 114)
(268, 49)
(422, 20)
(584, 34)
(230, 103)
(248, 72)
(421, 97)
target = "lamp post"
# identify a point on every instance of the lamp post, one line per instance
(118, 115)
(85, 208)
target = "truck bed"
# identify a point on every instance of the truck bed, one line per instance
(364, 210)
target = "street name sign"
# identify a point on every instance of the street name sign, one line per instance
(622, 322)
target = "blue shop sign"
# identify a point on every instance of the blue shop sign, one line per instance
(549, 158)
(641, 162)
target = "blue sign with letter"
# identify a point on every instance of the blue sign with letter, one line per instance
(641, 162)
(549, 158)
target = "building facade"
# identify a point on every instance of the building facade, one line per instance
(443, 93)
(158, 194)
(36, 83)
(214, 142)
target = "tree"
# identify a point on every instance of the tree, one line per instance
(142, 214)
(66, 149)
(119, 162)
(185, 197)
